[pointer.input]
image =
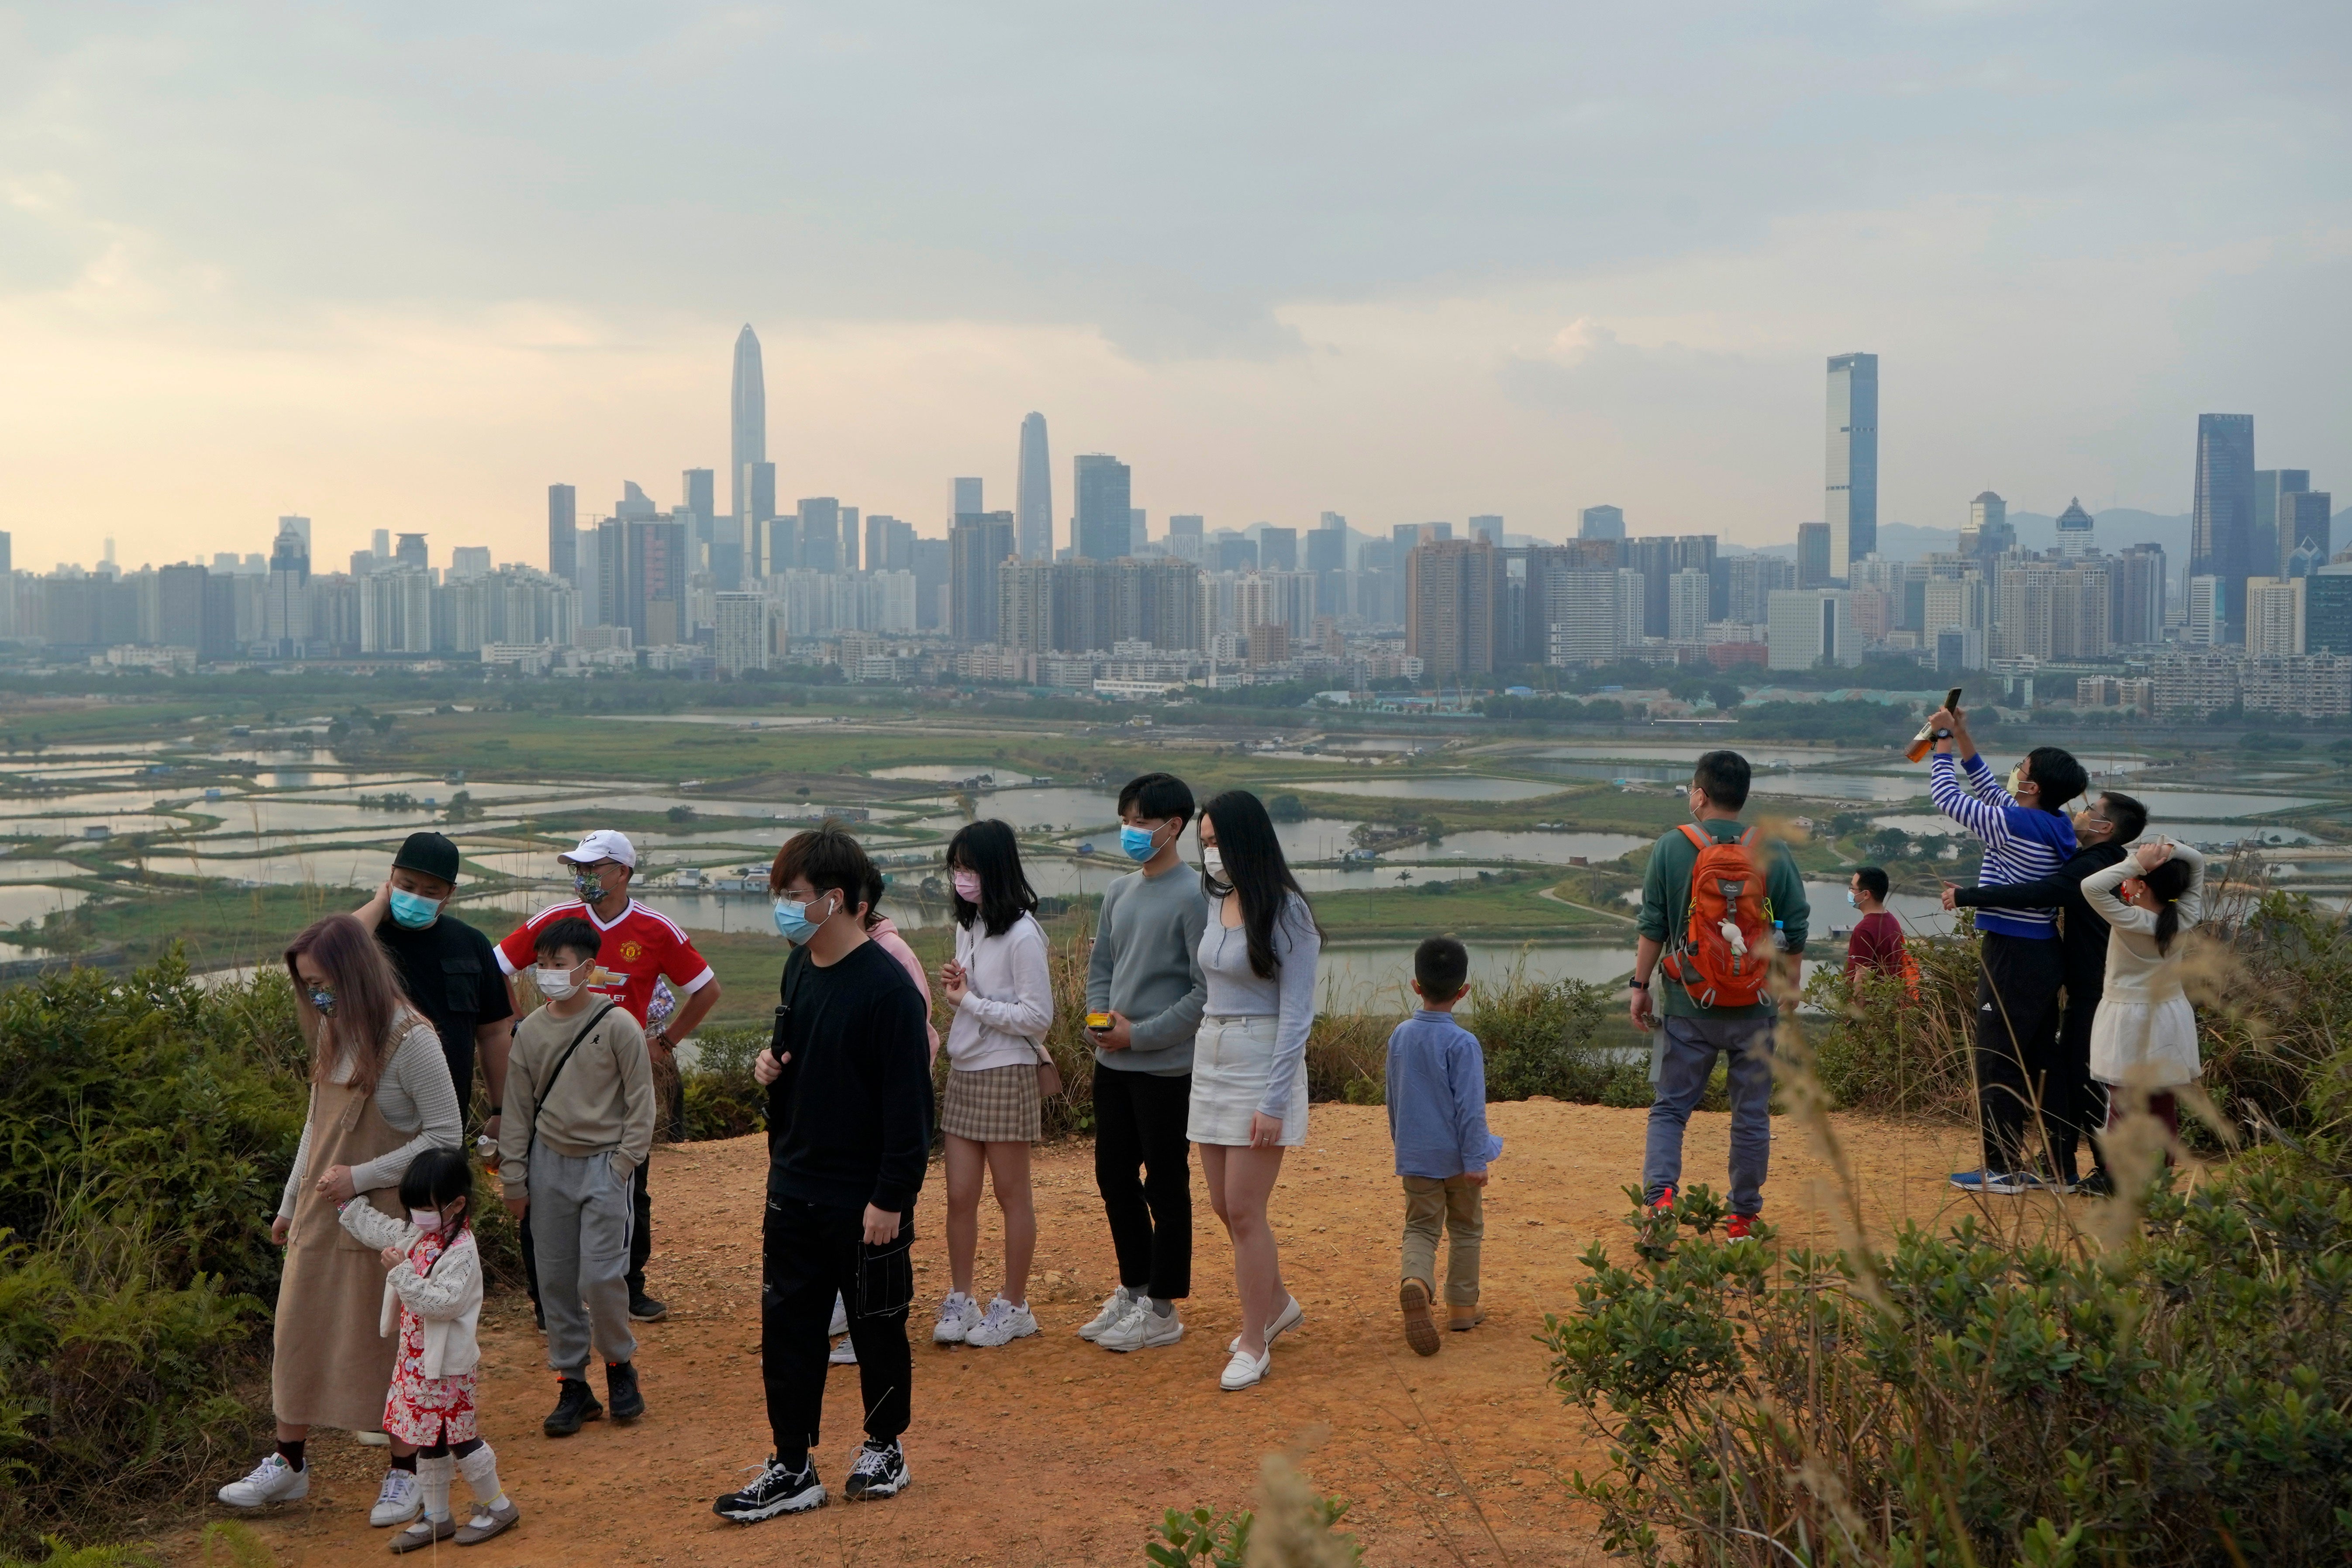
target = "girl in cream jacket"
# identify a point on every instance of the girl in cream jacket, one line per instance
(2144, 1032)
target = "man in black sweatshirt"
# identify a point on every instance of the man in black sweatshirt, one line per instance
(2072, 1104)
(849, 1133)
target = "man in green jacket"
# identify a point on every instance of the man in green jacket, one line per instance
(1689, 1036)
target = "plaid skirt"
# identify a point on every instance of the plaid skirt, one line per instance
(993, 1105)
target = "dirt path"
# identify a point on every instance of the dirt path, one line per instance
(1050, 1451)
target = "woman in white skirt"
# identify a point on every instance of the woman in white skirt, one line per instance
(1257, 953)
(2144, 1032)
(1002, 994)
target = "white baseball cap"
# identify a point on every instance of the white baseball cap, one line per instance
(603, 845)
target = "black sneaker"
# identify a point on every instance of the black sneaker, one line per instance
(621, 1388)
(573, 1405)
(2097, 1184)
(645, 1310)
(880, 1471)
(777, 1491)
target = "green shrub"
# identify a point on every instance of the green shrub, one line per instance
(1885, 1049)
(1968, 1398)
(722, 1099)
(1298, 1528)
(1556, 1039)
(151, 1125)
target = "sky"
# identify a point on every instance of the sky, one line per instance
(403, 266)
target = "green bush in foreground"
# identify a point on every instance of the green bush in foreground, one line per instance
(1970, 1399)
(149, 1124)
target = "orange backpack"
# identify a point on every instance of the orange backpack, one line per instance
(1726, 956)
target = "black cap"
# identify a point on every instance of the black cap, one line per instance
(429, 853)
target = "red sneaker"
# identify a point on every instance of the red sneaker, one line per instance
(1741, 1227)
(1664, 1200)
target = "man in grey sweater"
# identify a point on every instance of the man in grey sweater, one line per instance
(1144, 993)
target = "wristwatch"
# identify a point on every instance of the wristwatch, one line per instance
(1638, 984)
(498, 1110)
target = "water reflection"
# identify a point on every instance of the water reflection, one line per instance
(1375, 977)
(19, 904)
(1449, 786)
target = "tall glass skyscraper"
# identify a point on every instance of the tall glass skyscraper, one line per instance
(2221, 515)
(1853, 481)
(1104, 526)
(1032, 507)
(747, 418)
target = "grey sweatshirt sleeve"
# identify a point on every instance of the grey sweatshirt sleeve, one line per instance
(1181, 1019)
(416, 1084)
(1105, 953)
(1301, 948)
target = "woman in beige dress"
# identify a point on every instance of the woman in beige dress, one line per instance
(379, 1095)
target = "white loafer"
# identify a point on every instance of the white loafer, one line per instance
(1245, 1369)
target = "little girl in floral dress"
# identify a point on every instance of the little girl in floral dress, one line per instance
(435, 1290)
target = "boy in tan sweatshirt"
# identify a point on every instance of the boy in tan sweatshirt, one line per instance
(579, 1121)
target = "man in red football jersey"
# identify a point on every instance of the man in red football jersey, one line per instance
(640, 949)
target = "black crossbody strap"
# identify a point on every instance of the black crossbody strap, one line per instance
(538, 1103)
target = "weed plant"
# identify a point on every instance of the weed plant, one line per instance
(2161, 1378)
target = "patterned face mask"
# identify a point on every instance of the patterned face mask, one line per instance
(323, 999)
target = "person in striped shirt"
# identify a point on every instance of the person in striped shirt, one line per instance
(2026, 837)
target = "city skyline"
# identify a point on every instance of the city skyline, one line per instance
(1549, 264)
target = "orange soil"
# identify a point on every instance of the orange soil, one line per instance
(1051, 1451)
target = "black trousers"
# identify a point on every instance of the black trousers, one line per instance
(641, 1239)
(2075, 1105)
(809, 1252)
(2017, 1057)
(1139, 1122)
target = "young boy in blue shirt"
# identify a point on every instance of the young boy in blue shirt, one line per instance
(1437, 1120)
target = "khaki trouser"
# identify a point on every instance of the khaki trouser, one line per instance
(1454, 1204)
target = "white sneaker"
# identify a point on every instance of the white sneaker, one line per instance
(401, 1500)
(1244, 1369)
(959, 1315)
(840, 1316)
(1114, 1307)
(1290, 1317)
(1142, 1328)
(273, 1480)
(843, 1353)
(1004, 1323)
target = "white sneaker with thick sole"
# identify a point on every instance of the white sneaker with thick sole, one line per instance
(959, 1315)
(840, 1316)
(1142, 1328)
(402, 1500)
(1244, 1369)
(1005, 1323)
(1290, 1317)
(272, 1480)
(1114, 1307)
(843, 1353)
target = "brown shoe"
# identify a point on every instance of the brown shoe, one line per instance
(489, 1521)
(1420, 1329)
(1461, 1320)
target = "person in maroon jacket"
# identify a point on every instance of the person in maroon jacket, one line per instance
(1876, 943)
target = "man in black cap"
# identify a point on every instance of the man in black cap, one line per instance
(445, 965)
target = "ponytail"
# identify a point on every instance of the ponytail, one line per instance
(2168, 883)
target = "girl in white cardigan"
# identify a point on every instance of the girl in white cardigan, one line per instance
(1002, 994)
(2144, 1032)
(434, 1294)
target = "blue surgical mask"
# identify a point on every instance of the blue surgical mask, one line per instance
(1139, 842)
(1850, 901)
(414, 910)
(792, 923)
(323, 1000)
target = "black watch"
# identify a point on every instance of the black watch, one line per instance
(498, 1110)
(1638, 984)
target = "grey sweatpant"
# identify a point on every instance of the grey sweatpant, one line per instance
(1682, 1059)
(580, 1217)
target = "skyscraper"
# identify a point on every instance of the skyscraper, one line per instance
(819, 519)
(2075, 529)
(2305, 527)
(1034, 493)
(756, 492)
(1277, 549)
(2271, 486)
(699, 489)
(1102, 484)
(1813, 552)
(976, 545)
(1601, 523)
(562, 533)
(1989, 534)
(747, 420)
(1450, 608)
(1852, 479)
(2221, 514)
(965, 500)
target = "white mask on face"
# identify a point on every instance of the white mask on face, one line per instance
(426, 1220)
(555, 985)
